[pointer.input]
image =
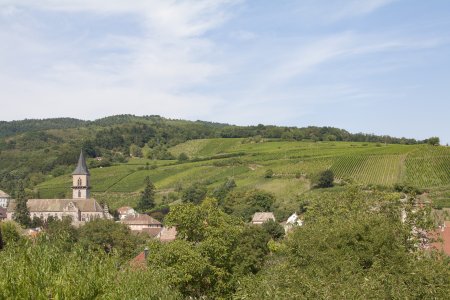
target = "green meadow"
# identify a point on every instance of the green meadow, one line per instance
(213, 161)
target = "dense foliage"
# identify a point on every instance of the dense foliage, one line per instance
(353, 245)
(43, 269)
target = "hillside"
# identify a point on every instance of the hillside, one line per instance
(37, 150)
(213, 161)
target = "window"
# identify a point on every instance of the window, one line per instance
(79, 182)
(79, 194)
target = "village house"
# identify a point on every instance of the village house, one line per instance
(4, 199)
(292, 222)
(261, 217)
(167, 234)
(142, 223)
(125, 211)
(81, 208)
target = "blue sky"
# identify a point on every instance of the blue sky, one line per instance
(373, 66)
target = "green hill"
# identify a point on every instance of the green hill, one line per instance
(42, 153)
(213, 161)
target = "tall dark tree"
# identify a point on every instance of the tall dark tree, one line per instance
(147, 200)
(195, 193)
(21, 213)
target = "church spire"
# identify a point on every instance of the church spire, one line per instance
(81, 168)
(80, 180)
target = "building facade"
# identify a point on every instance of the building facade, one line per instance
(81, 208)
(4, 199)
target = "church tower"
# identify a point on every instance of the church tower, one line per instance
(81, 180)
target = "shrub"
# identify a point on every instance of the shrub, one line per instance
(324, 179)
(268, 174)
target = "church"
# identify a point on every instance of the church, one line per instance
(81, 208)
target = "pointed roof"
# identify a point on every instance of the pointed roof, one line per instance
(82, 168)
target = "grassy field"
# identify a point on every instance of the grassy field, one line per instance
(216, 160)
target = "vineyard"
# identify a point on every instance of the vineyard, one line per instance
(216, 160)
(428, 167)
(370, 169)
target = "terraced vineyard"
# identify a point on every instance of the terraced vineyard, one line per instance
(428, 167)
(370, 169)
(292, 162)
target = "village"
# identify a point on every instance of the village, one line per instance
(82, 208)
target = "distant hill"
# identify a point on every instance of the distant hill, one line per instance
(37, 150)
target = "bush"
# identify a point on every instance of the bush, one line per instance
(268, 174)
(324, 179)
(183, 157)
(275, 230)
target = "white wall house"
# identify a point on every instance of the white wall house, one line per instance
(4, 199)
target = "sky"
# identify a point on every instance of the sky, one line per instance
(372, 66)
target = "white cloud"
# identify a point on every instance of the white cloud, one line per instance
(149, 73)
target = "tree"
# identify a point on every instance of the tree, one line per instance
(245, 203)
(195, 193)
(434, 141)
(107, 235)
(135, 151)
(275, 230)
(21, 212)
(183, 157)
(61, 231)
(222, 191)
(213, 250)
(11, 232)
(325, 179)
(261, 200)
(36, 222)
(147, 200)
(348, 250)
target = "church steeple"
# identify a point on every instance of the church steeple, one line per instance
(80, 179)
(81, 168)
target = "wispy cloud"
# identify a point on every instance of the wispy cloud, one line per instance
(142, 72)
(330, 11)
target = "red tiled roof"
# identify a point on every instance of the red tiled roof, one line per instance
(139, 262)
(152, 231)
(140, 219)
(124, 209)
(263, 217)
(444, 235)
